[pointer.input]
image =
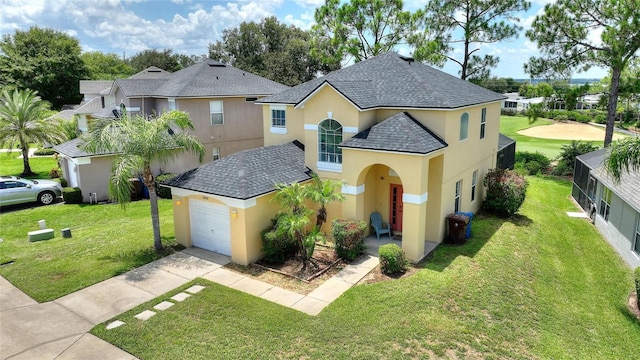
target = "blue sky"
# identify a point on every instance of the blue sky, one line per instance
(188, 26)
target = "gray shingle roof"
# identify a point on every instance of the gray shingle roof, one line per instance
(249, 173)
(594, 159)
(72, 149)
(90, 107)
(399, 133)
(391, 80)
(151, 72)
(504, 141)
(94, 86)
(205, 79)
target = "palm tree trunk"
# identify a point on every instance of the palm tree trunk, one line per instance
(26, 171)
(149, 181)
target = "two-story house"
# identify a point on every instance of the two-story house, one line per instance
(408, 141)
(219, 99)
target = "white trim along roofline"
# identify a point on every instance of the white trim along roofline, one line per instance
(237, 203)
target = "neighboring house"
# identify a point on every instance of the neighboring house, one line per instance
(517, 102)
(219, 99)
(408, 141)
(613, 206)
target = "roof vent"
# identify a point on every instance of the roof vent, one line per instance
(154, 71)
(408, 59)
(213, 63)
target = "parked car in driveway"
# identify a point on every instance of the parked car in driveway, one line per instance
(16, 190)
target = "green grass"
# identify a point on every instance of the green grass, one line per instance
(510, 125)
(106, 241)
(540, 285)
(11, 165)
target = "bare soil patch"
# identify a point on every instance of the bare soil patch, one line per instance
(633, 304)
(568, 131)
(376, 275)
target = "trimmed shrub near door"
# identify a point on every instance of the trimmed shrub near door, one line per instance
(393, 261)
(349, 237)
(161, 190)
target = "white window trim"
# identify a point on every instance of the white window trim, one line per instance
(215, 153)
(483, 123)
(330, 167)
(474, 181)
(457, 198)
(175, 106)
(460, 132)
(281, 130)
(216, 112)
(278, 130)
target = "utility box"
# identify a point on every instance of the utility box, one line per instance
(457, 225)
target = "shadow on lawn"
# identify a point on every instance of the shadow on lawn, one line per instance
(136, 258)
(483, 227)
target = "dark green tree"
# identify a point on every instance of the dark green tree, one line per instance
(564, 36)
(470, 23)
(44, 60)
(360, 29)
(165, 60)
(101, 66)
(270, 49)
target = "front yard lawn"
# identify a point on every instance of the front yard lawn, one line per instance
(11, 165)
(106, 241)
(540, 285)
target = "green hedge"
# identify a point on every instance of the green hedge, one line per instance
(44, 152)
(72, 195)
(349, 237)
(506, 191)
(393, 261)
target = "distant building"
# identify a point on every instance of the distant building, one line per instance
(517, 102)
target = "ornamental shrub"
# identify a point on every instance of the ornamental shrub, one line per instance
(506, 191)
(44, 152)
(72, 195)
(349, 237)
(161, 190)
(277, 247)
(542, 162)
(637, 274)
(569, 152)
(392, 259)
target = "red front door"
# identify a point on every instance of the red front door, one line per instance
(395, 211)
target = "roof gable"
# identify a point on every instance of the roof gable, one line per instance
(393, 81)
(399, 133)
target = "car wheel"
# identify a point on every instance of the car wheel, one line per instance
(46, 197)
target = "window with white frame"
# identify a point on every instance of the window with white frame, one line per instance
(217, 112)
(483, 122)
(215, 152)
(278, 119)
(172, 104)
(474, 180)
(464, 126)
(636, 247)
(605, 203)
(456, 206)
(329, 137)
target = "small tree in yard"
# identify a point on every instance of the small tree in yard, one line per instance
(505, 191)
(568, 154)
(138, 141)
(323, 192)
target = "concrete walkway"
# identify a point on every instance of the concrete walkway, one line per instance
(59, 329)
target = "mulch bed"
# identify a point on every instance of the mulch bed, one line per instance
(324, 258)
(633, 304)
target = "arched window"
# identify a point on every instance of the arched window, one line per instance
(329, 137)
(464, 126)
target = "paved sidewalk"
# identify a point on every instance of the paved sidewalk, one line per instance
(59, 329)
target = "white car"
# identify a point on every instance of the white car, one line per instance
(16, 190)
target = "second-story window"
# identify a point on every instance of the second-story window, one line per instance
(278, 119)
(483, 122)
(217, 112)
(464, 126)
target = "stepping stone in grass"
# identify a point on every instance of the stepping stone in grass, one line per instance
(195, 289)
(164, 305)
(114, 324)
(145, 315)
(180, 296)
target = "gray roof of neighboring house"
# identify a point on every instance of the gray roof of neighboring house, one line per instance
(249, 173)
(94, 86)
(399, 133)
(504, 141)
(72, 149)
(391, 80)
(626, 189)
(64, 114)
(206, 79)
(90, 107)
(151, 72)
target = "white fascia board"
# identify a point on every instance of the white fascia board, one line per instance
(236, 203)
(325, 83)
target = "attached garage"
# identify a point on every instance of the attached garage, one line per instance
(210, 226)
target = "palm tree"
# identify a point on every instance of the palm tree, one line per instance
(322, 193)
(21, 123)
(139, 141)
(624, 155)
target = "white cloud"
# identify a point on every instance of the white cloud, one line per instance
(304, 22)
(310, 3)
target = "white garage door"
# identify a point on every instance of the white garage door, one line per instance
(210, 226)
